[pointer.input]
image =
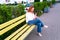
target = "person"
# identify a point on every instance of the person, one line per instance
(32, 19)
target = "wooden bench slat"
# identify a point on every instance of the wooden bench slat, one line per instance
(11, 26)
(19, 34)
(15, 32)
(12, 21)
(26, 33)
(14, 38)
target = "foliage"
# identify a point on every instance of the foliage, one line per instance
(7, 12)
(19, 10)
(53, 1)
(39, 7)
(37, 0)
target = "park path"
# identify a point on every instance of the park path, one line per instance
(52, 19)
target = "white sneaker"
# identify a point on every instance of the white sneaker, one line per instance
(40, 34)
(45, 26)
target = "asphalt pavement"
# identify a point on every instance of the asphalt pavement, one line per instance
(52, 19)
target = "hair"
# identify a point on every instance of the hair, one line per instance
(29, 10)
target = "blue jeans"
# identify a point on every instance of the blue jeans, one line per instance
(38, 23)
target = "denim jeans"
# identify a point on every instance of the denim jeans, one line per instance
(38, 23)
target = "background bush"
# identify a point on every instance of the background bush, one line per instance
(5, 13)
(8, 12)
(53, 1)
(38, 7)
(19, 10)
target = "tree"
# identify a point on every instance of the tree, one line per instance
(44, 0)
(37, 0)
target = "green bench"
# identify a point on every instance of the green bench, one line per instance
(19, 34)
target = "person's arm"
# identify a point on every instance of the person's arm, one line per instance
(35, 15)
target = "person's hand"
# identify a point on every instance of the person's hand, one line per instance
(35, 17)
(36, 14)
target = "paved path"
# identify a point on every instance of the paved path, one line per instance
(52, 19)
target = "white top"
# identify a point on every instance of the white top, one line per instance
(29, 16)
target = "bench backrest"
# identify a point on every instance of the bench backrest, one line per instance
(11, 24)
